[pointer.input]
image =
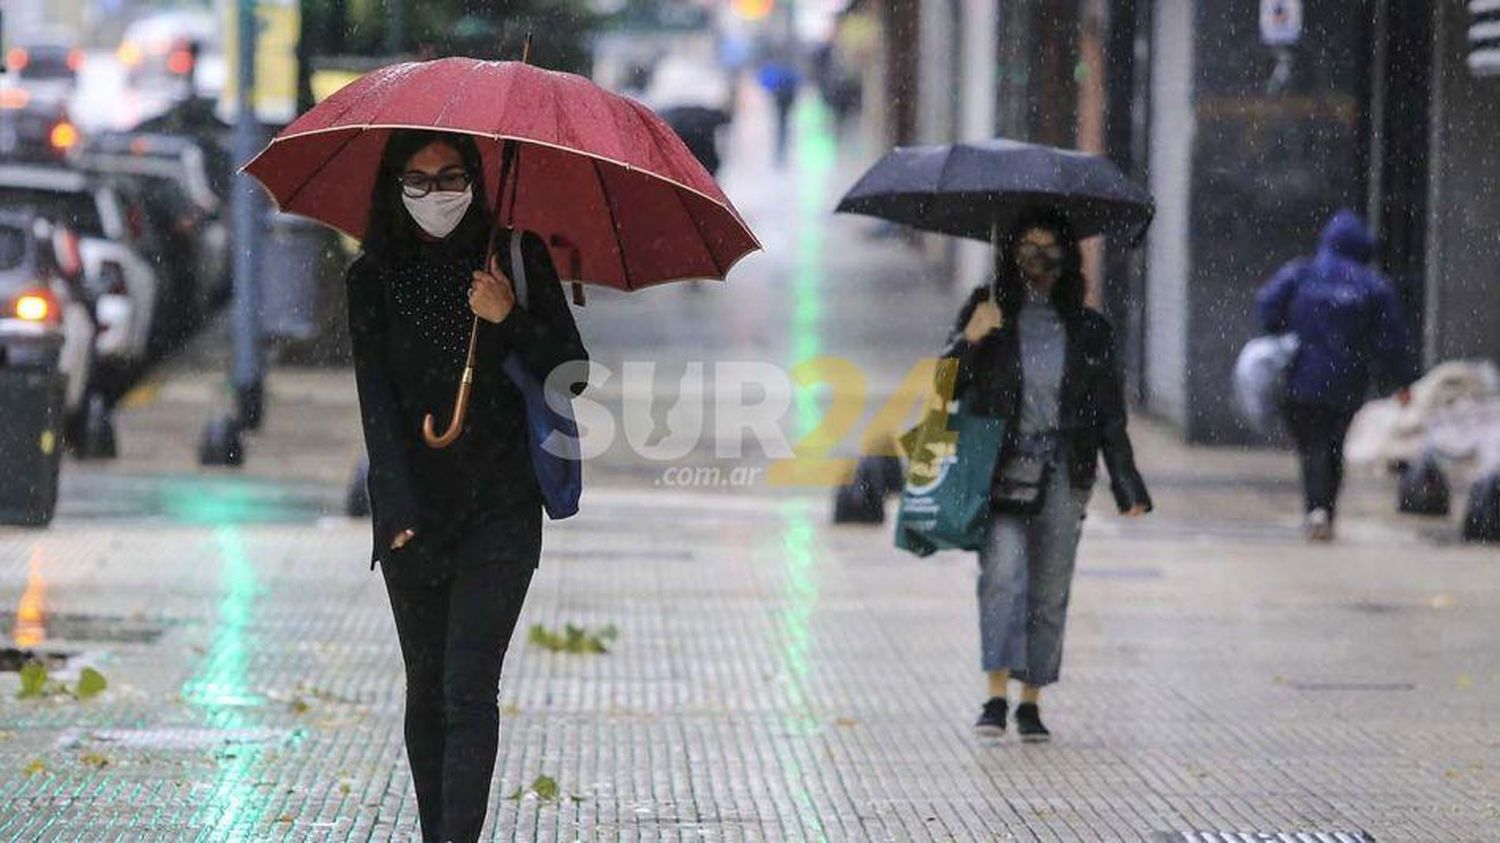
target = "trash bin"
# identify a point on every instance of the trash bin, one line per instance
(289, 269)
(30, 444)
(302, 304)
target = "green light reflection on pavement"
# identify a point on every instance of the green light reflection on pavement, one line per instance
(816, 155)
(190, 501)
(220, 688)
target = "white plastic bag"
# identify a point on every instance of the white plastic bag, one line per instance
(1260, 379)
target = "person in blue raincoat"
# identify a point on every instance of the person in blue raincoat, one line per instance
(781, 79)
(1351, 334)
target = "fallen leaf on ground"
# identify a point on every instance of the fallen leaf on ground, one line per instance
(90, 683)
(33, 679)
(36, 766)
(573, 639)
(544, 787)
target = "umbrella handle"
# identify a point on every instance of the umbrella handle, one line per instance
(460, 404)
(456, 424)
(466, 383)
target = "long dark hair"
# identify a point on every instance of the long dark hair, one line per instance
(1010, 288)
(392, 236)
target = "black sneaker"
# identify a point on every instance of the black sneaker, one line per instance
(991, 722)
(1029, 724)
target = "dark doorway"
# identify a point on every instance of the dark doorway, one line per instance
(1401, 86)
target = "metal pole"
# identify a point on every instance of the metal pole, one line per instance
(395, 28)
(249, 357)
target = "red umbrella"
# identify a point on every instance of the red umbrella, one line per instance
(611, 188)
(593, 171)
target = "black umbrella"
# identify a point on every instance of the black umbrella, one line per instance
(698, 126)
(966, 189)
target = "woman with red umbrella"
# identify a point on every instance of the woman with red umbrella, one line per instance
(458, 529)
(444, 299)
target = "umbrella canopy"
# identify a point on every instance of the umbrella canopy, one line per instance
(600, 176)
(965, 189)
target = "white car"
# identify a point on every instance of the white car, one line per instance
(111, 233)
(45, 313)
(172, 177)
(164, 47)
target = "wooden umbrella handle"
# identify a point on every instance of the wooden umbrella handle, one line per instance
(460, 404)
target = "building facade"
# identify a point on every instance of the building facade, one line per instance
(1251, 121)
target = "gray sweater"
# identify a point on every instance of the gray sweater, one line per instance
(1043, 355)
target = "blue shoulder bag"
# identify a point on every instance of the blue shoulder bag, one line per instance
(551, 429)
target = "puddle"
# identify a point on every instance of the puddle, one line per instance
(13, 658)
(87, 627)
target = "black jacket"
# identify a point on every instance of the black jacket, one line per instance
(1093, 402)
(476, 500)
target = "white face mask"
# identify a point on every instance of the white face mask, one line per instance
(439, 212)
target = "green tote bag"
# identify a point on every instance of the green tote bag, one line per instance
(951, 463)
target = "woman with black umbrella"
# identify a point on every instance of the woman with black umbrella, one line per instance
(458, 528)
(1030, 352)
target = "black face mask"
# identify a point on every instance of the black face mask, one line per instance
(1041, 265)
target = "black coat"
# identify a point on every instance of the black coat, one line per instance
(476, 500)
(1092, 400)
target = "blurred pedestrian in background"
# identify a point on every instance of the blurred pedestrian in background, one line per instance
(1031, 353)
(1350, 333)
(781, 79)
(458, 529)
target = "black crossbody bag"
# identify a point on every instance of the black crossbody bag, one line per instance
(1021, 484)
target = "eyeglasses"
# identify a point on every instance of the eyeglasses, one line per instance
(1032, 250)
(416, 184)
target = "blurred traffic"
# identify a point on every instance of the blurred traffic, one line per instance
(113, 242)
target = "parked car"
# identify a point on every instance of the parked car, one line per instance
(46, 63)
(163, 48)
(46, 310)
(35, 127)
(174, 178)
(120, 256)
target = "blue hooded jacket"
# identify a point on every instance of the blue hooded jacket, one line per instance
(1346, 318)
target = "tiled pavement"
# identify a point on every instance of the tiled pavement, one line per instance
(774, 678)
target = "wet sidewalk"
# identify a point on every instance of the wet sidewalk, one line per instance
(773, 677)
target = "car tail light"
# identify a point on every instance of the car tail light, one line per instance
(69, 254)
(17, 59)
(180, 62)
(64, 136)
(75, 60)
(36, 306)
(14, 98)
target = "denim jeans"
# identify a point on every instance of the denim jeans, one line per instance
(1025, 573)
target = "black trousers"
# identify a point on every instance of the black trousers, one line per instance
(1319, 432)
(453, 638)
